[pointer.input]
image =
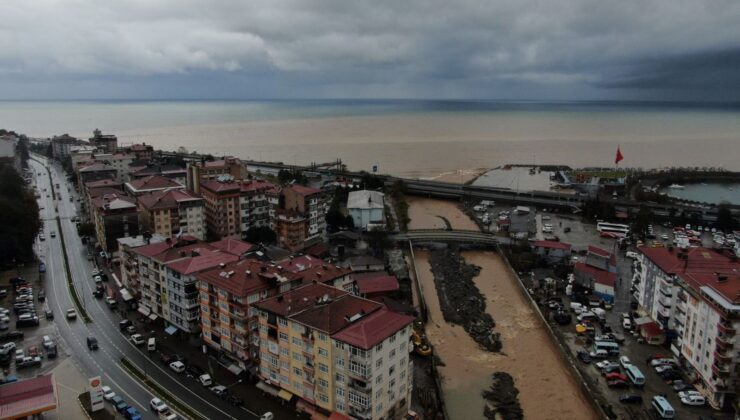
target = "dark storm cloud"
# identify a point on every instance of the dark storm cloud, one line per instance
(328, 48)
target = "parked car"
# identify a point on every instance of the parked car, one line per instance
(657, 356)
(123, 325)
(267, 416)
(33, 351)
(604, 363)
(662, 361)
(618, 384)
(630, 399)
(599, 354)
(49, 314)
(158, 406)
(11, 336)
(624, 361)
(137, 339)
(119, 404)
(27, 362)
(194, 371)
(616, 376)
(108, 393)
(584, 357)
(51, 352)
(219, 390)
(663, 368)
(205, 380)
(178, 367)
(610, 369)
(7, 348)
(693, 400)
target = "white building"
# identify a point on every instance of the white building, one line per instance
(7, 146)
(696, 294)
(367, 208)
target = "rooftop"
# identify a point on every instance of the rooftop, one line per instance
(233, 246)
(97, 167)
(118, 201)
(154, 182)
(378, 282)
(303, 190)
(300, 299)
(201, 259)
(166, 199)
(103, 183)
(218, 186)
(170, 249)
(334, 314)
(600, 276)
(242, 277)
(28, 397)
(373, 329)
(700, 267)
(365, 199)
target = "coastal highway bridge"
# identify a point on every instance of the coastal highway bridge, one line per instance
(442, 235)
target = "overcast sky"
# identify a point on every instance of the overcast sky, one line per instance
(498, 49)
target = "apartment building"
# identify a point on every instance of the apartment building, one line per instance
(197, 172)
(254, 206)
(696, 294)
(222, 206)
(312, 204)
(182, 286)
(141, 151)
(143, 169)
(228, 293)
(336, 352)
(119, 161)
(106, 142)
(290, 229)
(115, 216)
(173, 212)
(61, 146)
(95, 172)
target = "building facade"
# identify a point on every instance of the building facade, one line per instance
(173, 212)
(197, 172)
(105, 142)
(367, 208)
(115, 216)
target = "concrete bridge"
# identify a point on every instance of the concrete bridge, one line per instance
(442, 235)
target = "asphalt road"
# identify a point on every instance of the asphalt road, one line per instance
(113, 344)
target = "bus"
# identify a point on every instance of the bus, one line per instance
(610, 347)
(612, 228)
(634, 375)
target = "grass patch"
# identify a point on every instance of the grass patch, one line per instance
(162, 394)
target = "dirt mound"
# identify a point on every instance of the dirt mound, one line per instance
(502, 397)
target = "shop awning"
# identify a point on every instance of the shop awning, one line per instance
(170, 330)
(144, 310)
(126, 295)
(268, 389)
(287, 396)
(235, 369)
(153, 317)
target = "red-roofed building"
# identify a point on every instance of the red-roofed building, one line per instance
(28, 397)
(115, 216)
(375, 285)
(233, 207)
(552, 251)
(311, 204)
(173, 212)
(234, 247)
(336, 351)
(696, 294)
(601, 259)
(141, 151)
(182, 286)
(601, 283)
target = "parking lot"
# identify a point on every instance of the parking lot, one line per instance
(25, 354)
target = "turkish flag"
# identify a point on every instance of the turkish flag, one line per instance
(619, 156)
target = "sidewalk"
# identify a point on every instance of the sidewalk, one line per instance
(70, 383)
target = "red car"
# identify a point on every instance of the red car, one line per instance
(658, 356)
(616, 376)
(618, 384)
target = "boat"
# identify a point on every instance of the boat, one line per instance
(675, 187)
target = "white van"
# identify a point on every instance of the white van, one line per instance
(151, 345)
(576, 307)
(663, 407)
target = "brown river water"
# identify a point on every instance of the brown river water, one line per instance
(547, 388)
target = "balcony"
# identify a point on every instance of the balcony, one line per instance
(664, 312)
(724, 357)
(665, 302)
(361, 387)
(725, 341)
(720, 369)
(681, 306)
(666, 291)
(725, 327)
(358, 411)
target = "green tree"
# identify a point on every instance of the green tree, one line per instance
(20, 214)
(725, 221)
(644, 219)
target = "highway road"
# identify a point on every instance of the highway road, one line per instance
(104, 326)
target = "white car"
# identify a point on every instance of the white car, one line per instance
(684, 394)
(108, 393)
(694, 400)
(71, 313)
(660, 362)
(7, 348)
(205, 380)
(137, 339)
(177, 366)
(663, 368)
(631, 254)
(624, 361)
(158, 405)
(267, 416)
(626, 324)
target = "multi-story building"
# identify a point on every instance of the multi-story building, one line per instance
(115, 216)
(105, 142)
(336, 352)
(129, 265)
(95, 172)
(173, 212)
(143, 169)
(141, 151)
(81, 155)
(197, 172)
(696, 294)
(234, 206)
(182, 286)
(61, 145)
(312, 204)
(152, 184)
(222, 206)
(290, 229)
(121, 162)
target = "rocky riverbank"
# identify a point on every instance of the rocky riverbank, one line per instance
(460, 300)
(502, 399)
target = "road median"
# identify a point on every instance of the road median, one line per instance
(153, 387)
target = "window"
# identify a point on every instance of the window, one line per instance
(392, 383)
(340, 392)
(323, 383)
(340, 363)
(379, 379)
(340, 406)
(378, 393)
(297, 357)
(323, 398)
(379, 347)
(284, 351)
(284, 364)
(392, 354)
(323, 368)
(379, 363)
(391, 370)
(323, 352)
(393, 338)
(281, 321)
(297, 372)
(379, 408)
(283, 336)
(297, 341)
(322, 337)
(339, 377)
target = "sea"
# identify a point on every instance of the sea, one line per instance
(411, 138)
